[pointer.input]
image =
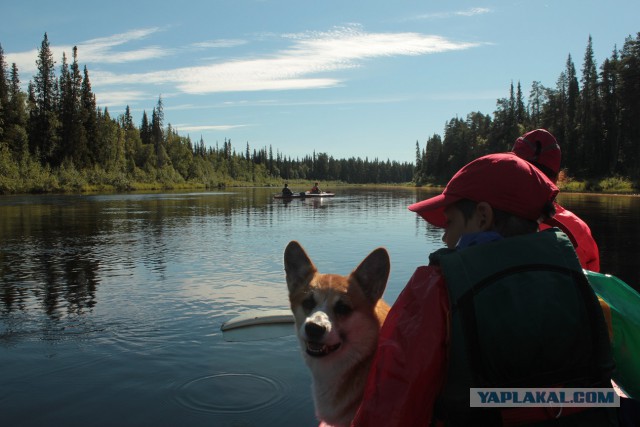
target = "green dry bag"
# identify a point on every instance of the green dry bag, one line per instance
(622, 312)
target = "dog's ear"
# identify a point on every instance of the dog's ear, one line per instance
(372, 274)
(297, 265)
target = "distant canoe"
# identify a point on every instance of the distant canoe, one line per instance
(303, 195)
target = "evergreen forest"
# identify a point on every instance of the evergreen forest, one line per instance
(596, 120)
(54, 137)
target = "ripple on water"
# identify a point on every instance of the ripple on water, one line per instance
(230, 393)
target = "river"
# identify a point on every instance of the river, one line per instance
(111, 305)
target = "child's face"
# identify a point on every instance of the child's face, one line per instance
(457, 226)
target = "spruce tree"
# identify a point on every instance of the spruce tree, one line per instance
(572, 100)
(504, 129)
(16, 133)
(127, 122)
(571, 146)
(78, 141)
(44, 126)
(4, 96)
(89, 119)
(145, 129)
(418, 172)
(16, 118)
(536, 101)
(157, 134)
(521, 111)
(610, 115)
(433, 162)
(590, 123)
(67, 106)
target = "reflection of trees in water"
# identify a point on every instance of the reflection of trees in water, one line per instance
(54, 275)
(613, 221)
(56, 250)
(48, 261)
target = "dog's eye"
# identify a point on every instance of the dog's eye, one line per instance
(309, 303)
(341, 308)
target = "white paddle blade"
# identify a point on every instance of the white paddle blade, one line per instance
(258, 325)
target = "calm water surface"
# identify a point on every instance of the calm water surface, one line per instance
(111, 306)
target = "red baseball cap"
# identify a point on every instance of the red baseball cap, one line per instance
(505, 181)
(539, 146)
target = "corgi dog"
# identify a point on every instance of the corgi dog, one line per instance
(337, 321)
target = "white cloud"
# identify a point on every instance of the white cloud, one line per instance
(218, 44)
(107, 56)
(441, 15)
(296, 67)
(108, 78)
(195, 128)
(118, 98)
(473, 11)
(25, 61)
(122, 38)
(99, 50)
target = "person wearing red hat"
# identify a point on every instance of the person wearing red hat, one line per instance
(540, 148)
(502, 306)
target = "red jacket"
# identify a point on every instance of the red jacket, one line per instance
(580, 235)
(410, 365)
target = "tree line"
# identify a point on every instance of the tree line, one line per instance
(54, 137)
(596, 120)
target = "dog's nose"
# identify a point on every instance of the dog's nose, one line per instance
(314, 331)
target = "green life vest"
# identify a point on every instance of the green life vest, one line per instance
(522, 315)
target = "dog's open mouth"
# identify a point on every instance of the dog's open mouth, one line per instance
(316, 349)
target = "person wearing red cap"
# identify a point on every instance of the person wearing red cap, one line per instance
(502, 306)
(540, 148)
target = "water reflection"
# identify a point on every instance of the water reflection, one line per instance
(55, 249)
(615, 227)
(47, 257)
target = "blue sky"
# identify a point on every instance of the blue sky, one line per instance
(348, 78)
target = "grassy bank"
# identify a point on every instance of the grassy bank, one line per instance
(612, 185)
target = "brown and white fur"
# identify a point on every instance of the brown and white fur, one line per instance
(337, 320)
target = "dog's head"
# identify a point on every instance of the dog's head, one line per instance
(336, 314)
